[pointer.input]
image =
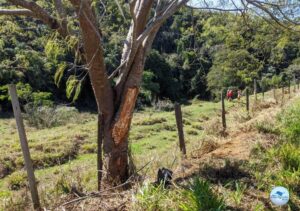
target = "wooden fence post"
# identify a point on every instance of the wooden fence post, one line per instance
(178, 115)
(24, 146)
(295, 83)
(282, 94)
(99, 150)
(274, 94)
(223, 110)
(247, 99)
(289, 90)
(255, 90)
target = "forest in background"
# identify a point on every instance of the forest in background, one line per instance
(195, 54)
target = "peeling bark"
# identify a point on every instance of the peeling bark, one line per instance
(121, 127)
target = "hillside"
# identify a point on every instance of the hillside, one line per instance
(65, 157)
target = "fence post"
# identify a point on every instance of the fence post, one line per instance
(24, 146)
(282, 94)
(289, 90)
(247, 99)
(178, 115)
(223, 110)
(255, 90)
(99, 150)
(295, 83)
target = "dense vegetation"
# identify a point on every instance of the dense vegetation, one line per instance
(194, 55)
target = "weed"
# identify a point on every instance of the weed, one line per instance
(266, 127)
(201, 197)
(17, 180)
(290, 157)
(238, 193)
(150, 197)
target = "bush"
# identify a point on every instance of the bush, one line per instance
(42, 99)
(17, 180)
(164, 105)
(46, 117)
(25, 95)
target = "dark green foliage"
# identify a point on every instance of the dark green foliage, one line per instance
(195, 54)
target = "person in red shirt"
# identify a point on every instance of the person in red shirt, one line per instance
(229, 94)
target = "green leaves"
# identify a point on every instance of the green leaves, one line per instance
(59, 73)
(73, 88)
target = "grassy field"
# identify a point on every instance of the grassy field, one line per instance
(64, 156)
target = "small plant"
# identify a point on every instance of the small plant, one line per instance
(63, 185)
(201, 197)
(238, 194)
(290, 157)
(153, 198)
(17, 180)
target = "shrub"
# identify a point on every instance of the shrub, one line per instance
(42, 99)
(17, 180)
(164, 105)
(46, 117)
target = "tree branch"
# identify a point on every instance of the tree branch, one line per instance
(41, 14)
(16, 12)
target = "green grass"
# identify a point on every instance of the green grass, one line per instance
(60, 150)
(65, 155)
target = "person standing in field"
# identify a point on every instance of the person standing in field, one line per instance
(229, 94)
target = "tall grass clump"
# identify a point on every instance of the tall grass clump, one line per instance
(151, 197)
(290, 123)
(49, 116)
(200, 196)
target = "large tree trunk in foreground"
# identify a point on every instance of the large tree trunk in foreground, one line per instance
(115, 103)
